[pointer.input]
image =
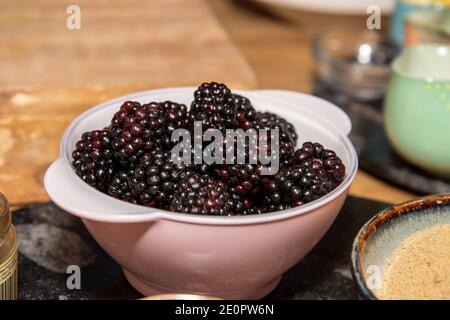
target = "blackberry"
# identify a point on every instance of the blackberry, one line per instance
(137, 129)
(286, 143)
(153, 180)
(271, 120)
(315, 172)
(314, 155)
(246, 113)
(201, 194)
(213, 105)
(244, 179)
(295, 186)
(244, 186)
(120, 189)
(92, 158)
(240, 204)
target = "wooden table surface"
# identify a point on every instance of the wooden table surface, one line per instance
(51, 74)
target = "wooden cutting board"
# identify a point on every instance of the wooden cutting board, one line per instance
(50, 74)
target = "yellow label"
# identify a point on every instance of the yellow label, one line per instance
(8, 278)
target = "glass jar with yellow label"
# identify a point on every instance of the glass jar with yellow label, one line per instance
(8, 253)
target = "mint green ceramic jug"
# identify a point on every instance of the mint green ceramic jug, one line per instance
(417, 107)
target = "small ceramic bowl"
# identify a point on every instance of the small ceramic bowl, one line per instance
(239, 257)
(382, 235)
(417, 107)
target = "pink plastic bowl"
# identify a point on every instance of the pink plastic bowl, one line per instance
(239, 257)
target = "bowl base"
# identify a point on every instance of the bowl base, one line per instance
(253, 293)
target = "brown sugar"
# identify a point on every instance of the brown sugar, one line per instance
(420, 268)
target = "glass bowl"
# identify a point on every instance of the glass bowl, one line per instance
(353, 62)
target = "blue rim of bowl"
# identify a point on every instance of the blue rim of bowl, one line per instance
(382, 217)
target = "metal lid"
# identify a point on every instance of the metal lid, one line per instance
(5, 215)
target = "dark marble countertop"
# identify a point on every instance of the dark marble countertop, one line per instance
(51, 240)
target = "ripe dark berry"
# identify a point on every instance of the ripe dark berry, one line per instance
(213, 105)
(119, 188)
(199, 194)
(245, 179)
(314, 155)
(92, 158)
(137, 129)
(315, 172)
(294, 185)
(271, 120)
(246, 113)
(244, 203)
(286, 135)
(154, 178)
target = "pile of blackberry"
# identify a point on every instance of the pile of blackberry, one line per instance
(131, 159)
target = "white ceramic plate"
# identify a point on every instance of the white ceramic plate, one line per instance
(357, 7)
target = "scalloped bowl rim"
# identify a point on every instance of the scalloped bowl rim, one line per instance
(154, 213)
